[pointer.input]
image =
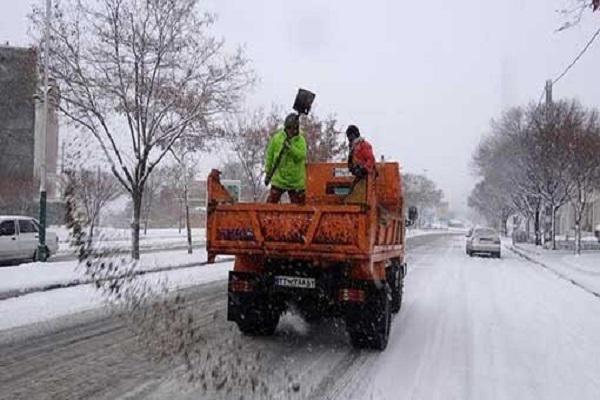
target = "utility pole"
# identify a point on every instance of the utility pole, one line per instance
(187, 205)
(549, 84)
(549, 92)
(41, 253)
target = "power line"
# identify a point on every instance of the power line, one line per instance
(581, 53)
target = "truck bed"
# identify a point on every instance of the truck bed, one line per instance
(325, 229)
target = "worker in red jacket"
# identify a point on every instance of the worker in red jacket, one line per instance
(361, 161)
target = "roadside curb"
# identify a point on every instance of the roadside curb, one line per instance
(523, 254)
(11, 294)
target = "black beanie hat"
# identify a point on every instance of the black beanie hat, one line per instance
(352, 130)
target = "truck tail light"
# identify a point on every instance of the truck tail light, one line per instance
(352, 295)
(243, 286)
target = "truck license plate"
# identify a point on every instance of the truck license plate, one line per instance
(295, 282)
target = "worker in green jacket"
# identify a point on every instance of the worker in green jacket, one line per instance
(289, 172)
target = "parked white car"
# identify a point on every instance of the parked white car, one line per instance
(19, 238)
(483, 241)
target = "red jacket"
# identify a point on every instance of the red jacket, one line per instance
(361, 154)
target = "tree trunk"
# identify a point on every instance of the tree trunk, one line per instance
(536, 227)
(180, 212)
(147, 217)
(187, 223)
(135, 224)
(577, 238)
(553, 228)
(90, 235)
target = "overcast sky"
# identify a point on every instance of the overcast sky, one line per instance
(421, 79)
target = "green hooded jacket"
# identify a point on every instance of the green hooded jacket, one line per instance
(291, 174)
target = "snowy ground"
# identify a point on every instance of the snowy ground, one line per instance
(121, 238)
(583, 269)
(482, 328)
(44, 306)
(469, 328)
(36, 275)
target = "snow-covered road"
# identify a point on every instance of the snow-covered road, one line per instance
(482, 328)
(469, 328)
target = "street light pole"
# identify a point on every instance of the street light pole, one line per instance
(42, 234)
(187, 204)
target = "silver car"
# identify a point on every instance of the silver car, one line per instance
(19, 238)
(483, 241)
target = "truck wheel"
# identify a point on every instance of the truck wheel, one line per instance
(370, 328)
(258, 320)
(396, 282)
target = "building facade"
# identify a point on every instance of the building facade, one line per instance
(18, 77)
(21, 127)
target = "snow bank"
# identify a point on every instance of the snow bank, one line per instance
(121, 238)
(583, 269)
(24, 277)
(43, 306)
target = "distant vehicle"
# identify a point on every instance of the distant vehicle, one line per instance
(454, 223)
(483, 241)
(19, 239)
(597, 232)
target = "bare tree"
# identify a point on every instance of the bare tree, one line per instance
(491, 204)
(574, 11)
(137, 75)
(584, 168)
(92, 191)
(151, 192)
(420, 191)
(249, 135)
(182, 154)
(525, 159)
(324, 139)
(552, 128)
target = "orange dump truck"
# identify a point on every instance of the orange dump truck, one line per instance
(340, 254)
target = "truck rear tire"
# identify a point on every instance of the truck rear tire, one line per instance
(259, 319)
(370, 328)
(396, 282)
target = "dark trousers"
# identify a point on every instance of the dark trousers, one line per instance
(296, 196)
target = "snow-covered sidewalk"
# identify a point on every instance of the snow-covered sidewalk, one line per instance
(583, 270)
(44, 306)
(27, 278)
(121, 238)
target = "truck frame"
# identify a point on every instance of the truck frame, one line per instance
(340, 254)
